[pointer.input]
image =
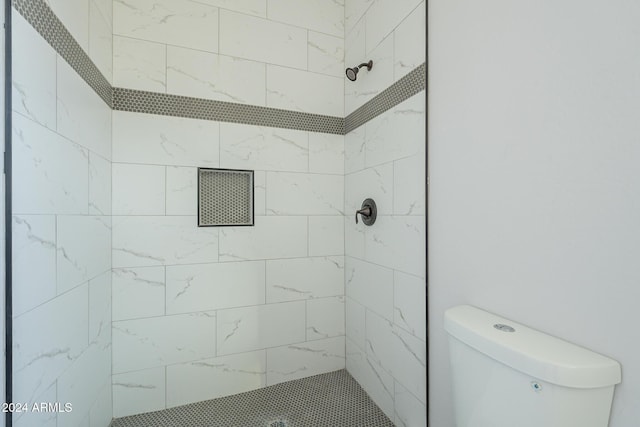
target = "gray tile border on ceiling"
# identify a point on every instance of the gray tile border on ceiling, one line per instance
(399, 91)
(42, 18)
(45, 22)
(207, 109)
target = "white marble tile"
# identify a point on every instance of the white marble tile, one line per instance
(385, 15)
(370, 285)
(61, 326)
(354, 10)
(271, 237)
(101, 412)
(40, 419)
(106, 9)
(409, 300)
(217, 377)
(54, 166)
(398, 242)
(297, 90)
(262, 40)
(83, 249)
(372, 183)
(251, 7)
(378, 383)
(212, 76)
(296, 361)
(139, 64)
(141, 241)
(410, 42)
(83, 116)
(138, 189)
(259, 327)
(326, 235)
(157, 341)
(100, 41)
(82, 383)
(354, 149)
(355, 322)
(182, 191)
(354, 237)
(33, 74)
(304, 278)
(138, 292)
(410, 411)
(174, 22)
(354, 55)
(326, 54)
(398, 133)
(325, 318)
(371, 83)
(33, 243)
(99, 185)
(326, 153)
(304, 194)
(201, 287)
(139, 392)
(100, 315)
(259, 192)
(164, 140)
(319, 15)
(409, 185)
(74, 15)
(399, 353)
(254, 147)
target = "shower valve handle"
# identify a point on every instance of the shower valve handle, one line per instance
(365, 212)
(369, 211)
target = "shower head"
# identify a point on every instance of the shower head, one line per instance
(352, 73)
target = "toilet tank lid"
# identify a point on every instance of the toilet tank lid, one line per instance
(532, 352)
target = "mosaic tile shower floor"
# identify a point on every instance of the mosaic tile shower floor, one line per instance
(328, 400)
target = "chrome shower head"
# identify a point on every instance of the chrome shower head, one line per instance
(352, 73)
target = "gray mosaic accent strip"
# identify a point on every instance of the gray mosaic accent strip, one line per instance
(206, 109)
(333, 399)
(401, 90)
(45, 22)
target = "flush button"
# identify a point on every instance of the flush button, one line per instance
(503, 328)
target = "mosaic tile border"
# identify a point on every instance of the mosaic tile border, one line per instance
(332, 399)
(45, 22)
(42, 18)
(403, 89)
(197, 108)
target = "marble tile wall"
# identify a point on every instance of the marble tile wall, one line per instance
(392, 33)
(206, 312)
(385, 316)
(61, 224)
(274, 53)
(385, 264)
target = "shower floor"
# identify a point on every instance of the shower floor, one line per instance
(327, 400)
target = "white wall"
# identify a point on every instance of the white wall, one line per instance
(385, 265)
(61, 236)
(246, 306)
(535, 195)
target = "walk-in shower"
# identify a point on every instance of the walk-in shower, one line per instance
(183, 233)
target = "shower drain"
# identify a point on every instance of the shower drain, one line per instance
(277, 423)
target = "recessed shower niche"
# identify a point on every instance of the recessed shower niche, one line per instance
(225, 197)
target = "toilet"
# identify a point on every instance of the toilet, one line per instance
(508, 375)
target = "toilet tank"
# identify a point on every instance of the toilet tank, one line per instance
(508, 375)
